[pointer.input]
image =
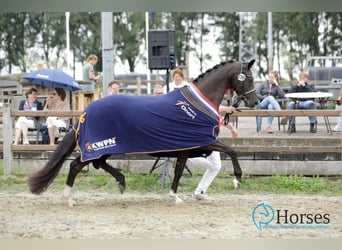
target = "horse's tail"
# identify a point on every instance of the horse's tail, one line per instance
(39, 181)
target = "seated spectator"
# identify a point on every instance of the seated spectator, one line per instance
(56, 102)
(24, 123)
(266, 93)
(158, 90)
(114, 88)
(338, 127)
(302, 86)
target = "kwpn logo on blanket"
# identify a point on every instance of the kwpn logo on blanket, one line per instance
(107, 143)
(187, 109)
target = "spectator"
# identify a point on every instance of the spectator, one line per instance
(302, 86)
(178, 80)
(212, 163)
(114, 88)
(89, 73)
(338, 127)
(158, 90)
(266, 93)
(24, 123)
(56, 102)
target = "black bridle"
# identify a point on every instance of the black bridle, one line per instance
(242, 98)
(241, 78)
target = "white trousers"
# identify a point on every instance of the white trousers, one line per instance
(53, 121)
(22, 119)
(212, 163)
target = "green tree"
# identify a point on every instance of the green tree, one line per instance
(183, 24)
(49, 31)
(229, 37)
(202, 28)
(12, 34)
(332, 33)
(129, 34)
(85, 36)
(259, 26)
(295, 36)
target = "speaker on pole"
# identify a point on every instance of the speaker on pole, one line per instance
(161, 49)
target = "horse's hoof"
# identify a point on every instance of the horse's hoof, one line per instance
(67, 191)
(236, 184)
(121, 188)
(178, 200)
(71, 202)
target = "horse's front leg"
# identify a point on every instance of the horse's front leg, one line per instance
(75, 167)
(233, 156)
(236, 166)
(180, 164)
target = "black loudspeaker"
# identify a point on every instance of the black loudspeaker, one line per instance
(161, 49)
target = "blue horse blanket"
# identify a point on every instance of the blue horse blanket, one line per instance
(122, 124)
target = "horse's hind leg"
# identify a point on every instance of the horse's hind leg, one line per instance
(180, 165)
(120, 178)
(75, 167)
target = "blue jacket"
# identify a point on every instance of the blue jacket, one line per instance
(38, 103)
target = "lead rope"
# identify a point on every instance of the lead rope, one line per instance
(235, 105)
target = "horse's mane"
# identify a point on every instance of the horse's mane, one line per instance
(211, 69)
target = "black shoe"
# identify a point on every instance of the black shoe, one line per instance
(313, 127)
(292, 129)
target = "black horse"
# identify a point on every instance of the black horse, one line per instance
(210, 88)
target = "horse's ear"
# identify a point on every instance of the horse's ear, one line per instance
(250, 64)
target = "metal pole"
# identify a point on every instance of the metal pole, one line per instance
(7, 138)
(146, 51)
(270, 43)
(107, 50)
(67, 19)
(167, 81)
(240, 36)
(187, 63)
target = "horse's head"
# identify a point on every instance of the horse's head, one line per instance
(228, 75)
(243, 85)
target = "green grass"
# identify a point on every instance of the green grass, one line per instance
(222, 184)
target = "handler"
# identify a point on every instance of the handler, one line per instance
(213, 161)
